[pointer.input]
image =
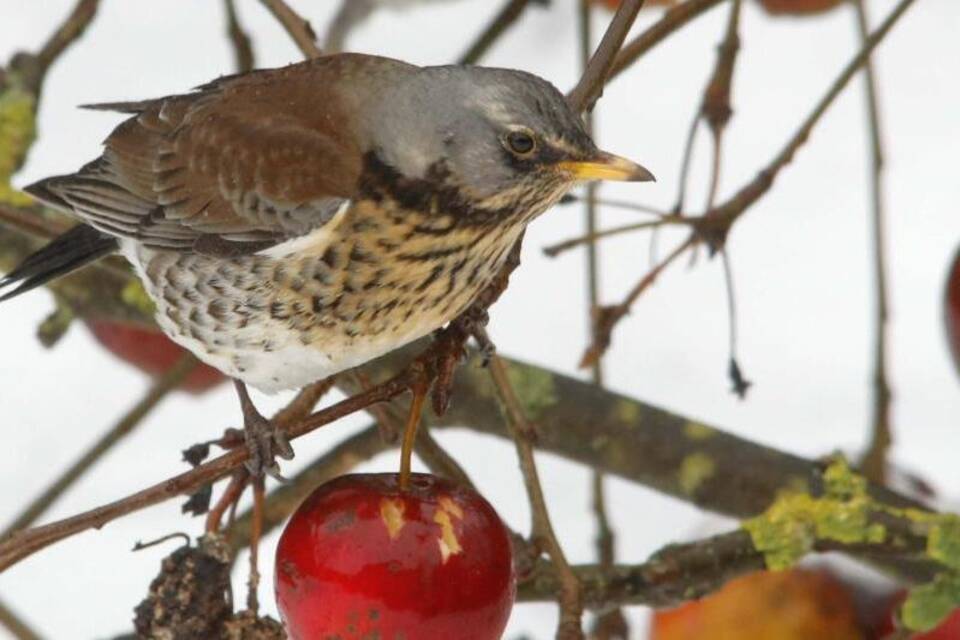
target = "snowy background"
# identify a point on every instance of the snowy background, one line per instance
(801, 257)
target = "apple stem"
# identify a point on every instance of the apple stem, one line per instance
(419, 389)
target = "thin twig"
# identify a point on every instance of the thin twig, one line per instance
(617, 204)
(253, 582)
(286, 497)
(21, 544)
(611, 623)
(243, 58)
(228, 499)
(509, 14)
(571, 608)
(874, 463)
(590, 87)
(66, 34)
(608, 317)
(726, 213)
(556, 249)
(715, 224)
(673, 19)
(15, 625)
(133, 418)
(297, 28)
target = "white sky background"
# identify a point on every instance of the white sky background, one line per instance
(801, 258)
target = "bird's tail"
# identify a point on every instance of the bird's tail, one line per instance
(77, 247)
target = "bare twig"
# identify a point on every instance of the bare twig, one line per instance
(590, 87)
(554, 250)
(608, 317)
(253, 582)
(16, 626)
(21, 544)
(297, 28)
(231, 494)
(157, 392)
(611, 623)
(66, 34)
(673, 19)
(874, 461)
(286, 497)
(571, 608)
(509, 14)
(718, 223)
(243, 59)
(715, 224)
(617, 204)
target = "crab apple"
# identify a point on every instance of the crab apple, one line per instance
(363, 558)
(799, 7)
(951, 309)
(797, 604)
(152, 352)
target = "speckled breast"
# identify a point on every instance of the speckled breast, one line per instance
(354, 289)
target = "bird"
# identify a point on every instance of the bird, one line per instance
(292, 223)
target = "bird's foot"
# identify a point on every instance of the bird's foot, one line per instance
(264, 441)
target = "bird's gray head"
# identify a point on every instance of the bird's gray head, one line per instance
(504, 139)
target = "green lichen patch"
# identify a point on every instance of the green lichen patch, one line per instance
(695, 469)
(927, 605)
(17, 133)
(697, 431)
(535, 389)
(627, 412)
(788, 529)
(943, 541)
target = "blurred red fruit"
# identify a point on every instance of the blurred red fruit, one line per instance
(797, 604)
(152, 352)
(362, 559)
(951, 309)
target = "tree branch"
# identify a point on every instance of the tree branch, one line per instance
(297, 28)
(874, 461)
(508, 15)
(157, 392)
(243, 58)
(590, 87)
(17, 627)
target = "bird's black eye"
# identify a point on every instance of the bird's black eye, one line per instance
(522, 143)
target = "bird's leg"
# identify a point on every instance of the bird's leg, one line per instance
(264, 441)
(419, 387)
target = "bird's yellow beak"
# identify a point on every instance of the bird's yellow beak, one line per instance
(606, 166)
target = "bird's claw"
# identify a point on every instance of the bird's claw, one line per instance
(265, 443)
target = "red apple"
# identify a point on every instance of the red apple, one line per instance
(363, 559)
(152, 352)
(949, 629)
(797, 604)
(799, 7)
(951, 309)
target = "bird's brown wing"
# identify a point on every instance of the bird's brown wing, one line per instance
(240, 165)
